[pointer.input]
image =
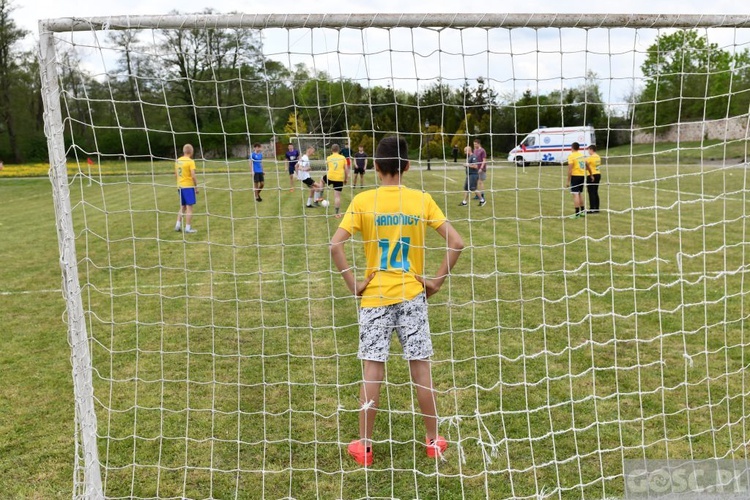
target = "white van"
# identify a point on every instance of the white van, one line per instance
(551, 145)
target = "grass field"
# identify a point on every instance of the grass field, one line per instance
(225, 361)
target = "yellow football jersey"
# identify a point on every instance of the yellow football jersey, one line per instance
(336, 167)
(594, 162)
(578, 161)
(184, 167)
(393, 221)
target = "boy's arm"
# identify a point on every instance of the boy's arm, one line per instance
(570, 171)
(195, 180)
(455, 245)
(339, 259)
(589, 169)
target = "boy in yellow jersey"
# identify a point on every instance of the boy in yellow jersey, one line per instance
(336, 176)
(187, 185)
(393, 220)
(576, 177)
(593, 165)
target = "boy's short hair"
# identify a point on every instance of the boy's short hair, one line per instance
(335, 148)
(391, 155)
(575, 146)
(592, 147)
(477, 141)
(256, 145)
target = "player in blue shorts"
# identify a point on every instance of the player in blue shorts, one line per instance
(292, 155)
(187, 185)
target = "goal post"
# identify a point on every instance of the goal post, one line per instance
(574, 350)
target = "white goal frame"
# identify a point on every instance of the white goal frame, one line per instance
(88, 481)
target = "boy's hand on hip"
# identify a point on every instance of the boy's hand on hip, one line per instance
(362, 285)
(431, 286)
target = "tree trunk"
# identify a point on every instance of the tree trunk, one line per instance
(10, 126)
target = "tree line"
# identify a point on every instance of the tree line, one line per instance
(216, 89)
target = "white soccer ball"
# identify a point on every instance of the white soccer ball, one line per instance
(324, 203)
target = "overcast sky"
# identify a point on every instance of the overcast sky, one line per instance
(554, 60)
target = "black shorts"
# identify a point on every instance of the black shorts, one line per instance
(596, 181)
(359, 170)
(258, 177)
(336, 185)
(308, 181)
(576, 184)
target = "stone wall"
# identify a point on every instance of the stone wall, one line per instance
(730, 128)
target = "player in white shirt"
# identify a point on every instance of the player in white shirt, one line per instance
(303, 174)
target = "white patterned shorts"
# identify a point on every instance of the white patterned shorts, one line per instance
(408, 318)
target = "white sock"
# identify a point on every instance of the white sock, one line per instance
(187, 227)
(309, 201)
(177, 226)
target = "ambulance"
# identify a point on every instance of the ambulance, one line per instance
(551, 145)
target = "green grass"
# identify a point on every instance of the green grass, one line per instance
(225, 361)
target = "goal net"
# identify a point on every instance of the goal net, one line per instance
(223, 363)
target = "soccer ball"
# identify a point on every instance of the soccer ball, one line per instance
(324, 203)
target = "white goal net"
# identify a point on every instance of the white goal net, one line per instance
(223, 363)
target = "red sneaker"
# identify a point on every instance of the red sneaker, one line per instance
(359, 453)
(436, 447)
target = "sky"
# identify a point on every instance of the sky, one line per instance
(546, 60)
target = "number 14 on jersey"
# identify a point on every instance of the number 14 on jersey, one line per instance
(395, 257)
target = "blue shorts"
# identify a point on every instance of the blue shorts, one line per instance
(187, 196)
(292, 168)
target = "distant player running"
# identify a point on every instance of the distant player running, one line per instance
(292, 156)
(303, 174)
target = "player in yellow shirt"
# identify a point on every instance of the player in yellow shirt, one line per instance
(393, 221)
(187, 185)
(336, 175)
(576, 178)
(593, 166)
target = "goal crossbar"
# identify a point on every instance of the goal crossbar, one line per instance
(374, 20)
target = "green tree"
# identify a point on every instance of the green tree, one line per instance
(212, 68)
(434, 142)
(295, 126)
(687, 79)
(10, 34)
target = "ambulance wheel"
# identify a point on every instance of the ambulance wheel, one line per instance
(520, 162)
